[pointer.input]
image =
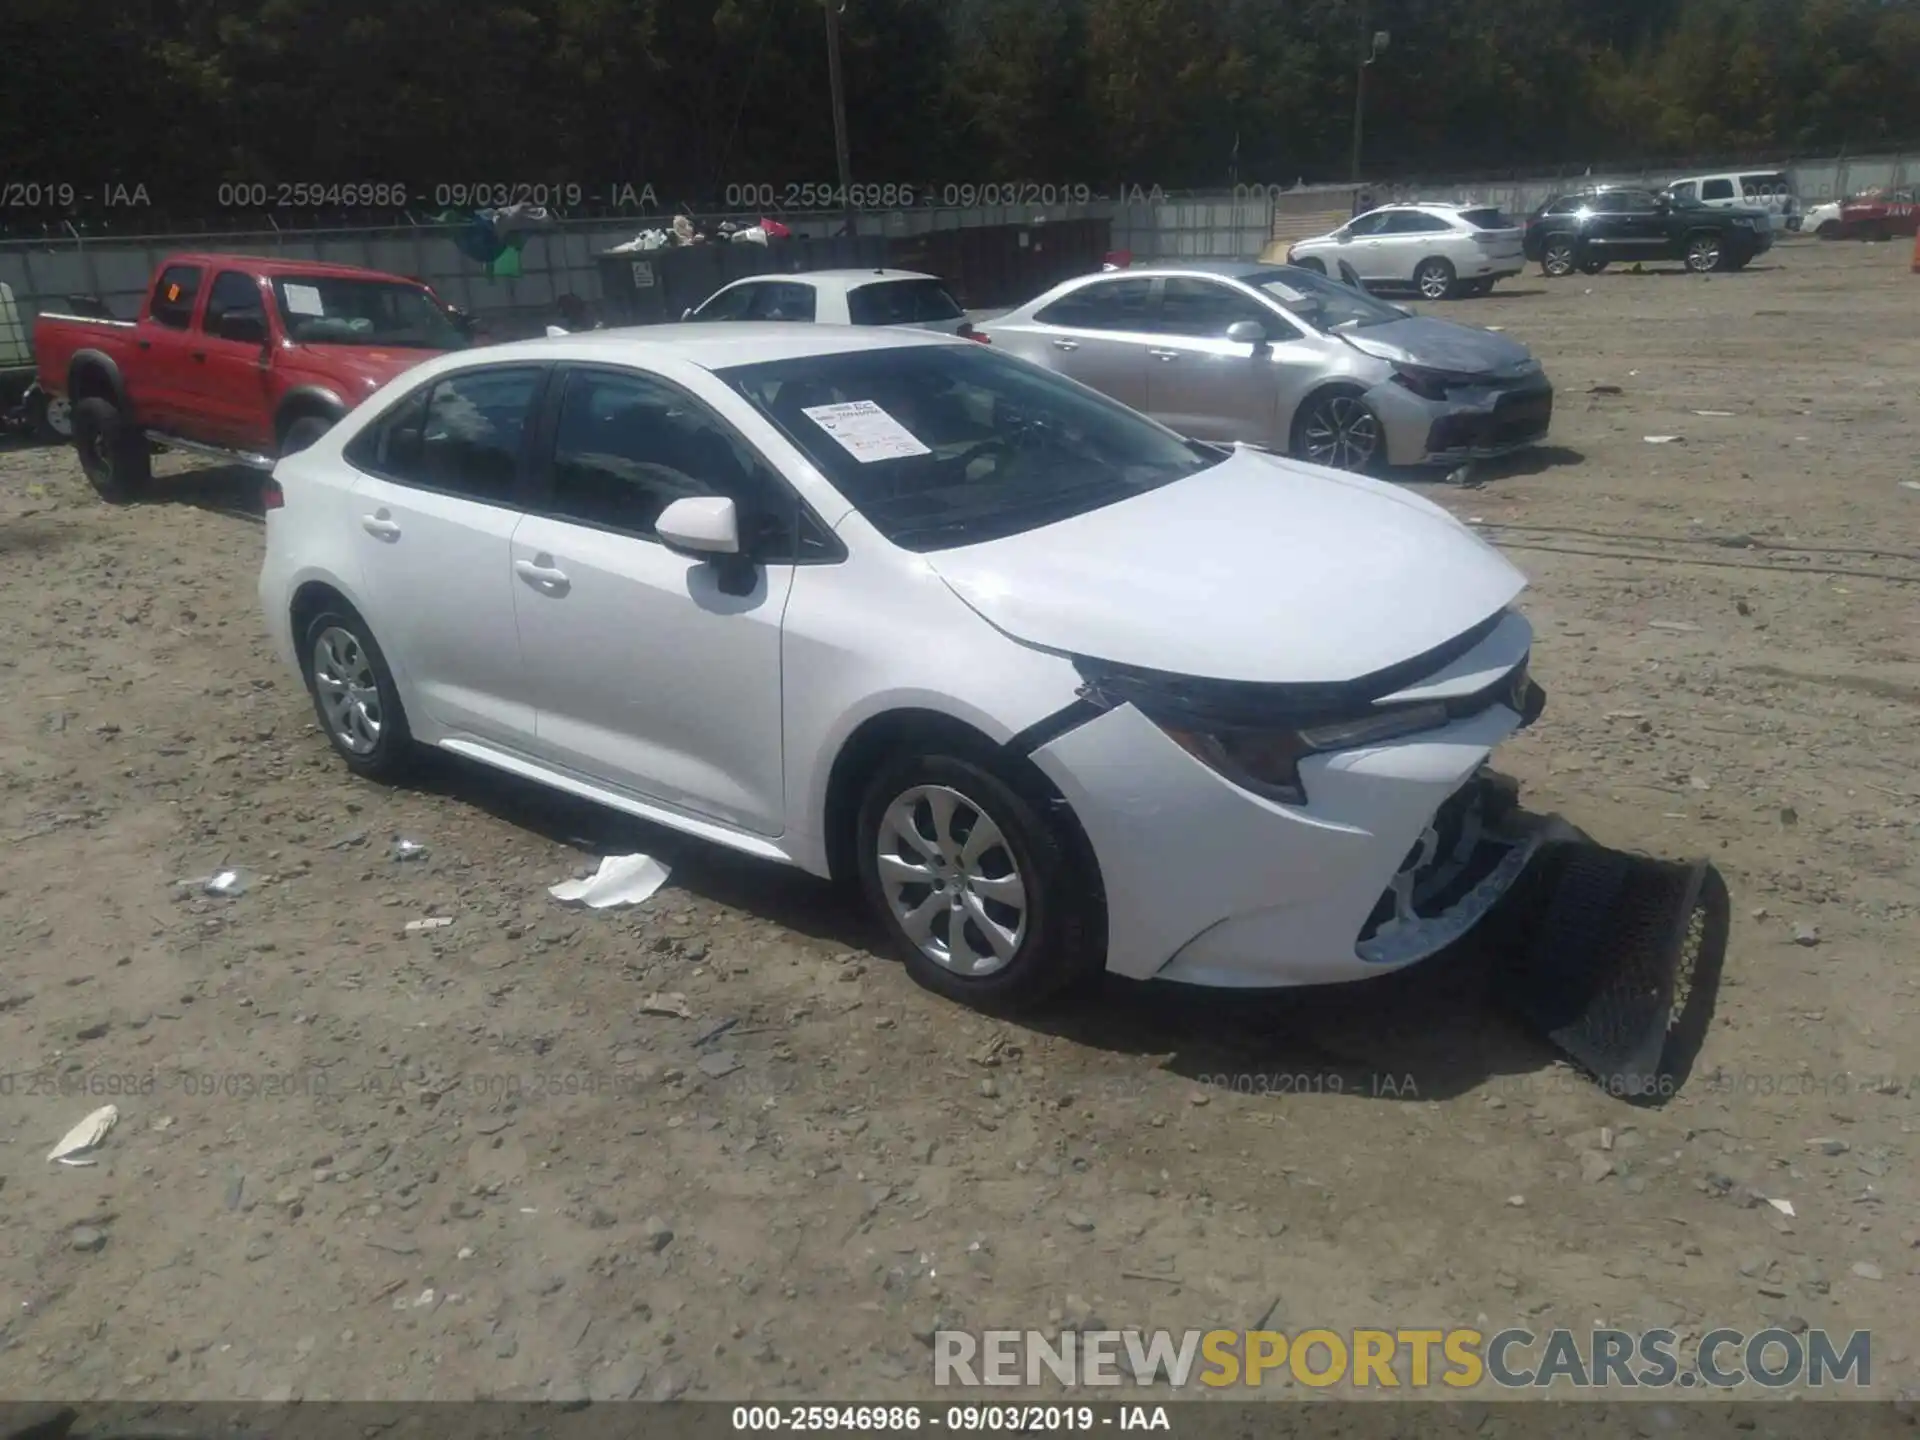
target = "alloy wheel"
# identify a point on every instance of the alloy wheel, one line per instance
(1559, 259)
(59, 417)
(952, 881)
(1703, 253)
(349, 694)
(1341, 433)
(1435, 281)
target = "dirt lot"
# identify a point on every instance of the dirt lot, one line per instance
(357, 1162)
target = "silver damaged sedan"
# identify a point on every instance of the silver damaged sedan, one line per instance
(1287, 360)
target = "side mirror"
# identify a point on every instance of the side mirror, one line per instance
(245, 327)
(1247, 332)
(701, 526)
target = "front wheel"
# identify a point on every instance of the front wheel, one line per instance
(982, 896)
(1703, 253)
(1339, 430)
(113, 453)
(1558, 259)
(1434, 279)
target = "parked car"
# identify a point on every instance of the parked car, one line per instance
(1438, 250)
(1822, 220)
(240, 358)
(1059, 688)
(1287, 359)
(1593, 229)
(840, 297)
(1768, 190)
(1879, 215)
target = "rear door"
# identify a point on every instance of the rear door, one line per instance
(227, 379)
(156, 376)
(442, 480)
(1409, 237)
(1098, 335)
(1771, 191)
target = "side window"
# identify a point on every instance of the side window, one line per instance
(174, 294)
(1105, 305)
(232, 294)
(628, 446)
(1205, 308)
(783, 300)
(1566, 205)
(1685, 190)
(1717, 190)
(1374, 224)
(1415, 222)
(734, 304)
(462, 435)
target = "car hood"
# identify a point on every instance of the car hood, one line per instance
(1259, 569)
(360, 370)
(1441, 345)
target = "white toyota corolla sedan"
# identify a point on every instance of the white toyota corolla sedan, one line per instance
(1059, 688)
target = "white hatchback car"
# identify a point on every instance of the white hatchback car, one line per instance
(1438, 250)
(1061, 689)
(839, 297)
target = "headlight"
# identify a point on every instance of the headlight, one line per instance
(1267, 762)
(1431, 384)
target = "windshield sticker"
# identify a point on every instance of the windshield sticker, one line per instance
(1285, 292)
(865, 431)
(304, 300)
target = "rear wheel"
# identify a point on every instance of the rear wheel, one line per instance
(1558, 259)
(112, 452)
(983, 897)
(1338, 429)
(354, 695)
(1703, 252)
(1434, 279)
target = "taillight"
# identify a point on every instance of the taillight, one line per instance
(272, 497)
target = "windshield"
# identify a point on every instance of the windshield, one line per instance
(902, 302)
(327, 310)
(940, 446)
(1323, 303)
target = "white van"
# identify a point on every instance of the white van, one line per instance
(1769, 190)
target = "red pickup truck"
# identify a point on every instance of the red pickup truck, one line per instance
(234, 357)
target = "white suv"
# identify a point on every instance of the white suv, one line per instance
(1437, 250)
(1769, 190)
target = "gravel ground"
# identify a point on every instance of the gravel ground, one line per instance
(492, 1159)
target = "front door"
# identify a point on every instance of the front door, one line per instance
(227, 378)
(654, 672)
(1209, 387)
(436, 505)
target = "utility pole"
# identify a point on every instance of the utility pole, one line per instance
(834, 83)
(1370, 49)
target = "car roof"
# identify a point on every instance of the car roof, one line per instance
(274, 268)
(1219, 269)
(836, 279)
(711, 347)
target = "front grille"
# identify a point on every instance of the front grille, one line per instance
(1520, 417)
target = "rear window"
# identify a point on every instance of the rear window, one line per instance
(902, 302)
(1489, 217)
(1765, 187)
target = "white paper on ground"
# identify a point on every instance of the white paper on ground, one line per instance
(865, 431)
(620, 880)
(303, 299)
(85, 1136)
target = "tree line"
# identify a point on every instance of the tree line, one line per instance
(687, 98)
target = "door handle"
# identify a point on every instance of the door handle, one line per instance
(542, 577)
(380, 526)
(1164, 354)
(1066, 344)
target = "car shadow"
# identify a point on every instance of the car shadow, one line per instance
(1475, 474)
(1440, 1029)
(234, 490)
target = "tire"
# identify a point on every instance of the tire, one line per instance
(1050, 940)
(112, 452)
(1829, 230)
(50, 418)
(302, 433)
(1324, 433)
(340, 657)
(1558, 257)
(1703, 252)
(1436, 279)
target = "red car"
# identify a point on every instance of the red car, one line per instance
(1880, 215)
(235, 357)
